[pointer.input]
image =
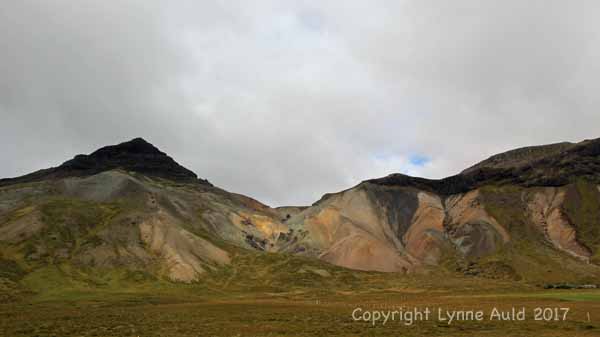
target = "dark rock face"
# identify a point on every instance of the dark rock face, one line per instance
(136, 155)
(521, 157)
(399, 207)
(561, 166)
(460, 183)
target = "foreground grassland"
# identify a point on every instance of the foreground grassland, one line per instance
(281, 298)
(289, 315)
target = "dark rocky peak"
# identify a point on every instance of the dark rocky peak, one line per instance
(547, 165)
(136, 155)
(136, 146)
(521, 156)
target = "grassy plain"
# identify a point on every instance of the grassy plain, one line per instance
(273, 295)
(188, 314)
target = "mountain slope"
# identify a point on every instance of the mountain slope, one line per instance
(127, 206)
(539, 205)
(529, 214)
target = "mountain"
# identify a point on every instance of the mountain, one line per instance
(124, 206)
(530, 214)
(136, 155)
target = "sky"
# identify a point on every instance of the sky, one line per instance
(287, 100)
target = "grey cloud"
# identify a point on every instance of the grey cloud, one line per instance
(285, 101)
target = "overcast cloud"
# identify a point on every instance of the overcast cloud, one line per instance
(286, 100)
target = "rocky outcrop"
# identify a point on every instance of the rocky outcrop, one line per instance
(545, 210)
(136, 155)
(472, 230)
(183, 255)
(426, 236)
(348, 230)
(388, 228)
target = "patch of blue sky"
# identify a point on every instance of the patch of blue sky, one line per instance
(419, 160)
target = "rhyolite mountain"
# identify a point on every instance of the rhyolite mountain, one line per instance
(530, 214)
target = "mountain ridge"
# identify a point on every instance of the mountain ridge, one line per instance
(138, 155)
(557, 167)
(132, 206)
